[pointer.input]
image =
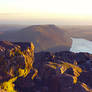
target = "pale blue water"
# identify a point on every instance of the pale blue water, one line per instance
(81, 45)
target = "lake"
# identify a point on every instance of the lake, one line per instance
(81, 45)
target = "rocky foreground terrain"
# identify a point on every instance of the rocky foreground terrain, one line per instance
(48, 79)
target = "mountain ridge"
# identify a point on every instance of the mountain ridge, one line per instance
(44, 37)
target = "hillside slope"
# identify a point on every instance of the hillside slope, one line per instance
(43, 36)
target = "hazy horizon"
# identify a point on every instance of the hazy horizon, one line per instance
(33, 12)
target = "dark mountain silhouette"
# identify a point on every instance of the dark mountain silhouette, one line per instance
(44, 37)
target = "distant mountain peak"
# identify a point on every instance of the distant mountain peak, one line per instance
(49, 26)
(44, 37)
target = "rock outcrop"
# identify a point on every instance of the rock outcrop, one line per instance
(47, 79)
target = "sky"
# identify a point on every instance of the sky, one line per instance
(61, 12)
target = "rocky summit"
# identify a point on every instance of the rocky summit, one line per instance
(57, 72)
